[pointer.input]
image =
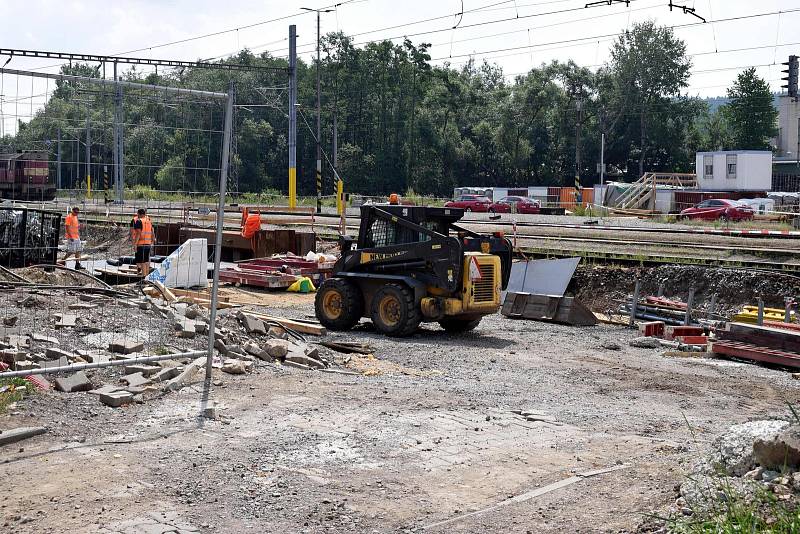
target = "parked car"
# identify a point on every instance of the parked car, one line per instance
(718, 208)
(470, 203)
(508, 204)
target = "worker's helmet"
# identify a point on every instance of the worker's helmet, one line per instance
(394, 199)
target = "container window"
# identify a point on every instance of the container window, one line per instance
(730, 166)
(708, 167)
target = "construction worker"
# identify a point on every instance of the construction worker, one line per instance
(72, 236)
(251, 224)
(142, 238)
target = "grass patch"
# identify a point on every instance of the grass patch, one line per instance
(763, 512)
(13, 390)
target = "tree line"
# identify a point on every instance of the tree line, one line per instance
(404, 124)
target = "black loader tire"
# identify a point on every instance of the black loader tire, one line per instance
(338, 304)
(455, 326)
(394, 312)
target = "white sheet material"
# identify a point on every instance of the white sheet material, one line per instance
(186, 267)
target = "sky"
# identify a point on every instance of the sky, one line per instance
(515, 34)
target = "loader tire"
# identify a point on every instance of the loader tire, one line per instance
(455, 326)
(338, 304)
(394, 312)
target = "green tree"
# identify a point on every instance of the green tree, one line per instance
(650, 66)
(750, 112)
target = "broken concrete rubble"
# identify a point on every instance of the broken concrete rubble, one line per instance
(124, 345)
(277, 348)
(236, 367)
(252, 325)
(76, 382)
(18, 434)
(116, 399)
(135, 380)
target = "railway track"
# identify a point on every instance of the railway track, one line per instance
(543, 246)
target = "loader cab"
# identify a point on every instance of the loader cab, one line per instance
(377, 231)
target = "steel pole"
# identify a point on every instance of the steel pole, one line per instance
(292, 116)
(88, 154)
(602, 168)
(223, 180)
(319, 129)
(100, 365)
(58, 161)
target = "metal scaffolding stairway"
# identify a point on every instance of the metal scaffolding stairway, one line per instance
(642, 193)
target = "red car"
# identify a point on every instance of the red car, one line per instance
(470, 203)
(516, 205)
(718, 208)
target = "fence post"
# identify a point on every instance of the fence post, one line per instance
(223, 180)
(635, 302)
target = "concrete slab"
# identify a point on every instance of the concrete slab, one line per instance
(66, 320)
(18, 434)
(135, 380)
(77, 382)
(125, 345)
(116, 399)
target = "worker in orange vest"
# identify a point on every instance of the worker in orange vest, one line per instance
(72, 236)
(251, 224)
(142, 237)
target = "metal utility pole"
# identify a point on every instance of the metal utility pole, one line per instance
(58, 161)
(292, 116)
(88, 154)
(119, 143)
(319, 113)
(602, 167)
(579, 106)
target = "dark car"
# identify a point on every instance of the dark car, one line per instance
(718, 208)
(515, 205)
(470, 203)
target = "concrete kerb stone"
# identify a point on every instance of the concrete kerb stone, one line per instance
(124, 345)
(116, 399)
(76, 382)
(18, 434)
(252, 325)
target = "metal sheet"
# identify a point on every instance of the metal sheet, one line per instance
(542, 277)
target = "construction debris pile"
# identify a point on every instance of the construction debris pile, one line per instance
(758, 460)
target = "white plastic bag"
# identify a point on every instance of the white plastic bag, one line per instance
(186, 267)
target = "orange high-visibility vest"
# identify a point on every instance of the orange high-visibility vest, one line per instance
(251, 225)
(71, 227)
(146, 234)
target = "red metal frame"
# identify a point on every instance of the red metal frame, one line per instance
(747, 351)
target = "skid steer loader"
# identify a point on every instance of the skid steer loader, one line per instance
(412, 264)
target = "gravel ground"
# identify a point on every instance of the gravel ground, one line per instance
(424, 434)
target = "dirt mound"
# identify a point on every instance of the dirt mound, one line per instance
(600, 286)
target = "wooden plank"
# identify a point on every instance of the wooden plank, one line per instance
(169, 295)
(305, 328)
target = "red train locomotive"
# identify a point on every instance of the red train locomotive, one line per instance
(25, 176)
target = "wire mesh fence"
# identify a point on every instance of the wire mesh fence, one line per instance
(85, 277)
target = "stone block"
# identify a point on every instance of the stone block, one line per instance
(298, 357)
(45, 339)
(124, 345)
(18, 434)
(66, 320)
(236, 367)
(252, 325)
(116, 399)
(167, 373)
(76, 382)
(145, 369)
(25, 365)
(11, 356)
(277, 348)
(18, 341)
(106, 389)
(54, 353)
(135, 380)
(97, 357)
